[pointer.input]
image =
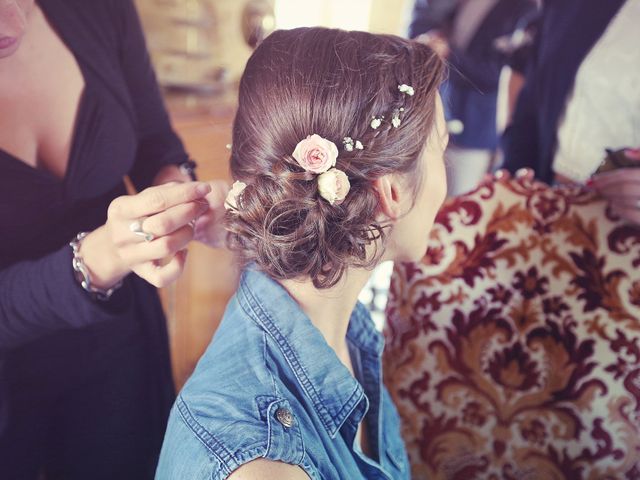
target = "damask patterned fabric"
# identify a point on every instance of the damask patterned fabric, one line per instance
(513, 347)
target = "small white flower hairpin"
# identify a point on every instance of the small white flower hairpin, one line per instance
(376, 122)
(231, 202)
(395, 120)
(408, 89)
(349, 144)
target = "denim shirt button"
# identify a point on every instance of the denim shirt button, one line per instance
(285, 417)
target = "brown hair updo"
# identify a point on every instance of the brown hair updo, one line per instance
(331, 83)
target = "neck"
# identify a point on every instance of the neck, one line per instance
(330, 309)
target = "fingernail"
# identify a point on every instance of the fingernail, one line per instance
(203, 189)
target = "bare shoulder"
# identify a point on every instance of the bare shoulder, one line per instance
(263, 469)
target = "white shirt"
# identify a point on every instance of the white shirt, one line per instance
(603, 110)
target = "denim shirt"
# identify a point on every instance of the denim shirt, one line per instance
(270, 386)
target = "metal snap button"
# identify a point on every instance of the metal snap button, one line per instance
(285, 417)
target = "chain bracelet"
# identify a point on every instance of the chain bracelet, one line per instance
(82, 272)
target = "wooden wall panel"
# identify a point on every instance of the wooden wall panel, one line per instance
(196, 303)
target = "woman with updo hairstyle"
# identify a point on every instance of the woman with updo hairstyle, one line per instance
(337, 154)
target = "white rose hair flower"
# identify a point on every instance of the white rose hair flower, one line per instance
(334, 186)
(231, 202)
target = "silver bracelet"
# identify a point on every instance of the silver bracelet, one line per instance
(82, 272)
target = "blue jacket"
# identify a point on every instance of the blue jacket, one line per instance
(470, 94)
(567, 31)
(270, 386)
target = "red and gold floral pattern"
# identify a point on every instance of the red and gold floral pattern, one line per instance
(513, 347)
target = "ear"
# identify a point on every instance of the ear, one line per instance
(391, 195)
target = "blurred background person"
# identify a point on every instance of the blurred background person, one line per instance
(465, 32)
(582, 96)
(518, 49)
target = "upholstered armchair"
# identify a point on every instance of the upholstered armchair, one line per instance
(513, 347)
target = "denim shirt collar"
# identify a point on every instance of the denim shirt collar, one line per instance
(333, 391)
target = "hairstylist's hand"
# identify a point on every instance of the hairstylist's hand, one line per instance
(166, 213)
(209, 228)
(622, 188)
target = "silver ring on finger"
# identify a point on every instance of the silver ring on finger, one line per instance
(136, 228)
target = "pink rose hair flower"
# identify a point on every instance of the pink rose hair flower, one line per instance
(316, 154)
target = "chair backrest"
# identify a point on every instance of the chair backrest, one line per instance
(513, 347)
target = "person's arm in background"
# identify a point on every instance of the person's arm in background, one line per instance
(509, 88)
(621, 188)
(519, 49)
(520, 139)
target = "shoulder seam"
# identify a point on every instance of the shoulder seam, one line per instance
(205, 437)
